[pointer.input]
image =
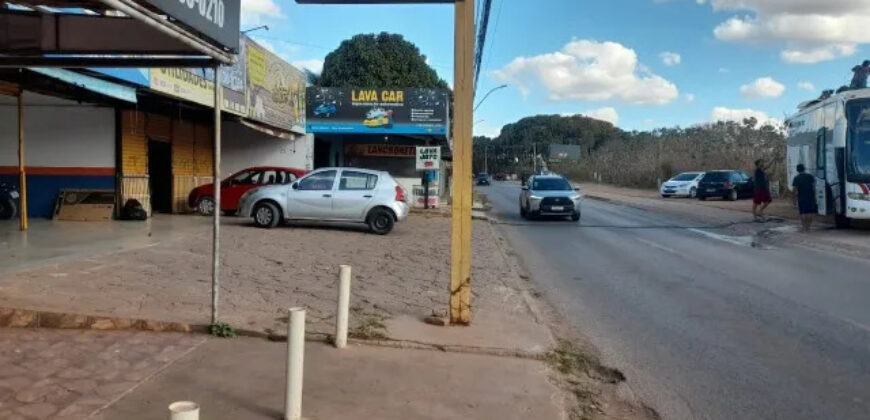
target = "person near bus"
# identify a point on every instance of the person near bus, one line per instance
(761, 197)
(805, 196)
(859, 79)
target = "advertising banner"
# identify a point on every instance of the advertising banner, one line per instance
(376, 111)
(381, 150)
(132, 75)
(217, 19)
(276, 90)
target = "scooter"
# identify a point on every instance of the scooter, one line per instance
(9, 201)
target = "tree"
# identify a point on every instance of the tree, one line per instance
(381, 61)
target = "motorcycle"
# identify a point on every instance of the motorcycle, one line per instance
(9, 201)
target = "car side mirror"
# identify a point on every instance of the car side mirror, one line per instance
(295, 186)
(525, 187)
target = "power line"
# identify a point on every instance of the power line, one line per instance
(481, 39)
(495, 31)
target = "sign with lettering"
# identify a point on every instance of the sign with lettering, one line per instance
(276, 90)
(428, 158)
(376, 111)
(216, 19)
(381, 150)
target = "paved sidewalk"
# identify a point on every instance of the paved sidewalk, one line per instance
(244, 379)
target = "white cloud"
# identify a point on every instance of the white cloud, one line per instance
(591, 71)
(806, 86)
(809, 31)
(485, 129)
(721, 113)
(762, 88)
(671, 58)
(314, 65)
(253, 11)
(266, 44)
(608, 114)
(690, 97)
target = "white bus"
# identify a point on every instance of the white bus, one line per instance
(831, 137)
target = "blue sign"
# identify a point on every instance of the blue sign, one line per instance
(135, 76)
(92, 84)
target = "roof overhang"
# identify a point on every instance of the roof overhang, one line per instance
(119, 33)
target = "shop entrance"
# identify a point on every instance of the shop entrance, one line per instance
(160, 175)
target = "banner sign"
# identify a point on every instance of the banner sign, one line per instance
(234, 81)
(216, 19)
(376, 111)
(136, 76)
(428, 158)
(276, 90)
(381, 150)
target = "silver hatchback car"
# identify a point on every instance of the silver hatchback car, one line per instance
(549, 195)
(330, 194)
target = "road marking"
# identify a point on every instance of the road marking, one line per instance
(736, 240)
(657, 246)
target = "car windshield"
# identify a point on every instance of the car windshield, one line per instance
(858, 113)
(716, 177)
(685, 177)
(551, 184)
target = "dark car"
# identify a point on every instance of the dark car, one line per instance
(482, 179)
(729, 185)
(500, 177)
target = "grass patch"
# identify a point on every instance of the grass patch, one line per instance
(580, 372)
(370, 327)
(222, 329)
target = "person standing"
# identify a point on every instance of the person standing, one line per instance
(859, 79)
(761, 196)
(805, 196)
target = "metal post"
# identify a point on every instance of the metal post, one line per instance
(216, 230)
(22, 171)
(460, 266)
(534, 158)
(295, 364)
(426, 189)
(341, 313)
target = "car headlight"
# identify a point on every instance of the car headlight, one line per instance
(858, 196)
(575, 197)
(535, 197)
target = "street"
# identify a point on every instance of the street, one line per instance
(703, 326)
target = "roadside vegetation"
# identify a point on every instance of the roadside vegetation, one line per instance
(633, 159)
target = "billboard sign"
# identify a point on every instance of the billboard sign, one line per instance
(276, 90)
(376, 111)
(216, 19)
(132, 75)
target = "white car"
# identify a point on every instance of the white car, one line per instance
(330, 194)
(684, 184)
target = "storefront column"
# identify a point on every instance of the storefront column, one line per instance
(22, 172)
(216, 233)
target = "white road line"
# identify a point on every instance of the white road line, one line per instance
(657, 246)
(736, 240)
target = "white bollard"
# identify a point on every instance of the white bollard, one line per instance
(184, 410)
(341, 315)
(295, 357)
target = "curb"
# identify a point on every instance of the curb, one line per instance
(27, 318)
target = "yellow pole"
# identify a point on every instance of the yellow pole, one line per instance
(460, 267)
(22, 172)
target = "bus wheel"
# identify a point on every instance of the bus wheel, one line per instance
(841, 222)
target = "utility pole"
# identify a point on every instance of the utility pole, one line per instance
(460, 250)
(534, 158)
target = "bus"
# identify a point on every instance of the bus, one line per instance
(831, 137)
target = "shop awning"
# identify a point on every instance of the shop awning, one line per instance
(275, 132)
(92, 84)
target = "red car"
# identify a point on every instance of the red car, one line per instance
(236, 185)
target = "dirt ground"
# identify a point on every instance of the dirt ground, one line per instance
(264, 272)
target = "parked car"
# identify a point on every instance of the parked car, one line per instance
(330, 194)
(482, 179)
(549, 195)
(728, 184)
(500, 177)
(233, 187)
(325, 110)
(9, 201)
(684, 184)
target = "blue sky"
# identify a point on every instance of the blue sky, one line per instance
(604, 58)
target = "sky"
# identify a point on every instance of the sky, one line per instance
(640, 64)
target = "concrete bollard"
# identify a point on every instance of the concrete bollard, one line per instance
(184, 410)
(341, 314)
(295, 364)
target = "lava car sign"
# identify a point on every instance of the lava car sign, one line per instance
(216, 19)
(376, 111)
(428, 158)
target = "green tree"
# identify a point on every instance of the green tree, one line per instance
(384, 61)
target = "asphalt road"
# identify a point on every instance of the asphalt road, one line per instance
(704, 326)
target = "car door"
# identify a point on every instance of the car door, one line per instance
(354, 194)
(238, 184)
(311, 197)
(747, 184)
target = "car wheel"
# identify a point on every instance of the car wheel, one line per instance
(576, 216)
(665, 195)
(266, 215)
(205, 206)
(693, 192)
(381, 221)
(732, 196)
(8, 209)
